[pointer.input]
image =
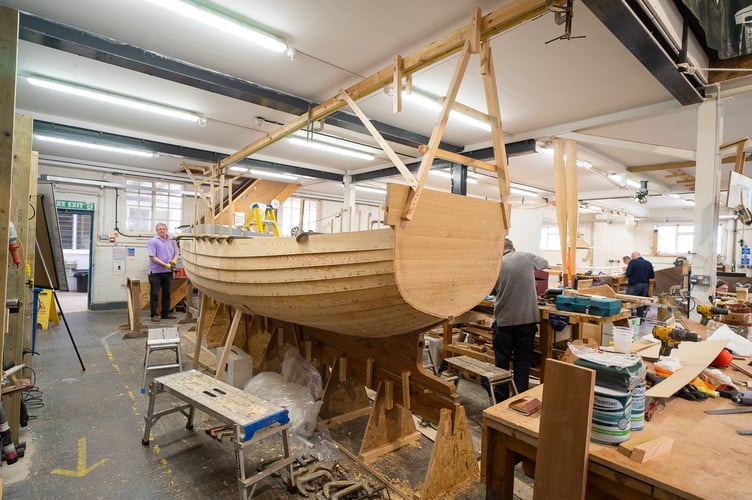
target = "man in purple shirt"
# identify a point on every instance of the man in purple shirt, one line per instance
(163, 254)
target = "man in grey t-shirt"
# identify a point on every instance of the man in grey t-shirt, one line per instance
(516, 315)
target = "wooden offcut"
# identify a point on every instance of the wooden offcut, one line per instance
(566, 417)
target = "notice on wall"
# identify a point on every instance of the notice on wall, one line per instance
(118, 253)
(118, 267)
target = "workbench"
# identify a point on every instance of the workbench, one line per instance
(708, 459)
(251, 419)
(575, 320)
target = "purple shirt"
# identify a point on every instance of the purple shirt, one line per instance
(164, 250)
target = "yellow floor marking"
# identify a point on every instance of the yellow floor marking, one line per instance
(81, 468)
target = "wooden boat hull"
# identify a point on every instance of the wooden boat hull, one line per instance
(402, 279)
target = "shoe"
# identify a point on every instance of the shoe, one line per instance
(169, 316)
(155, 318)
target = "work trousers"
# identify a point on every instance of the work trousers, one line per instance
(640, 290)
(514, 343)
(157, 281)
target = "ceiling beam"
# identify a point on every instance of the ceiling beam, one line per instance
(92, 46)
(638, 33)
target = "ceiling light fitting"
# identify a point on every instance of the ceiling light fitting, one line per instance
(121, 100)
(448, 175)
(331, 144)
(264, 173)
(368, 189)
(433, 102)
(101, 147)
(523, 192)
(225, 23)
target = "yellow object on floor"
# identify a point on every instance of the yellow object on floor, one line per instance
(47, 311)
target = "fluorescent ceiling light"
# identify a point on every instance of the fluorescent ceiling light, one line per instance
(584, 164)
(419, 97)
(322, 146)
(101, 95)
(274, 175)
(101, 147)
(224, 23)
(84, 182)
(523, 192)
(336, 141)
(632, 183)
(616, 178)
(241, 170)
(367, 189)
(448, 175)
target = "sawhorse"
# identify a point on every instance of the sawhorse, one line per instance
(252, 419)
(486, 374)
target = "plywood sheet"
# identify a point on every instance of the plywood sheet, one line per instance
(695, 357)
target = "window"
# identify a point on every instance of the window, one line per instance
(675, 239)
(75, 230)
(289, 215)
(550, 238)
(148, 203)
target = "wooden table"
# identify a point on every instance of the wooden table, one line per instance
(708, 458)
(546, 333)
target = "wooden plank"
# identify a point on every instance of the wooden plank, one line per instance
(503, 18)
(572, 209)
(564, 438)
(560, 191)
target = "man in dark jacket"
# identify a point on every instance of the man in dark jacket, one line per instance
(639, 272)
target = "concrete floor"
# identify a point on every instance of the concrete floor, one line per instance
(84, 436)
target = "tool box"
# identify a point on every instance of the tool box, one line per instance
(565, 303)
(604, 306)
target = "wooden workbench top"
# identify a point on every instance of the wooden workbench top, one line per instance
(708, 459)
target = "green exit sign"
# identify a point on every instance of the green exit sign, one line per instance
(75, 205)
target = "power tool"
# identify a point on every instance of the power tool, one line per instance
(671, 337)
(707, 312)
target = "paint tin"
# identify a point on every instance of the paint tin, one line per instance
(612, 416)
(638, 407)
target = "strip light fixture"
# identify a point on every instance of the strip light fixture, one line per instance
(225, 23)
(428, 101)
(367, 189)
(331, 148)
(264, 173)
(104, 96)
(101, 147)
(448, 175)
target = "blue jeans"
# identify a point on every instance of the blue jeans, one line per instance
(514, 343)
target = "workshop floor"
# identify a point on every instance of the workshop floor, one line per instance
(83, 439)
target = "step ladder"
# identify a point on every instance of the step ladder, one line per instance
(266, 223)
(161, 339)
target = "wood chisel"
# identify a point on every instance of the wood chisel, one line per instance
(729, 411)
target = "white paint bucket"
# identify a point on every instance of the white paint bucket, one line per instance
(612, 416)
(638, 407)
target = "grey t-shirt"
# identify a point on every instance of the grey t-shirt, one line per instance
(516, 297)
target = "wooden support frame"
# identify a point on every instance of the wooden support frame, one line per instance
(390, 425)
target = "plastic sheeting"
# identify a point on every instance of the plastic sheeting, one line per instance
(727, 25)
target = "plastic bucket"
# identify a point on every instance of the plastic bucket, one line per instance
(612, 416)
(638, 407)
(622, 339)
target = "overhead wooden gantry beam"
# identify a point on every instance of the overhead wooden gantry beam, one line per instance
(502, 19)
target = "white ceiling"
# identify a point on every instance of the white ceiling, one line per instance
(591, 87)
